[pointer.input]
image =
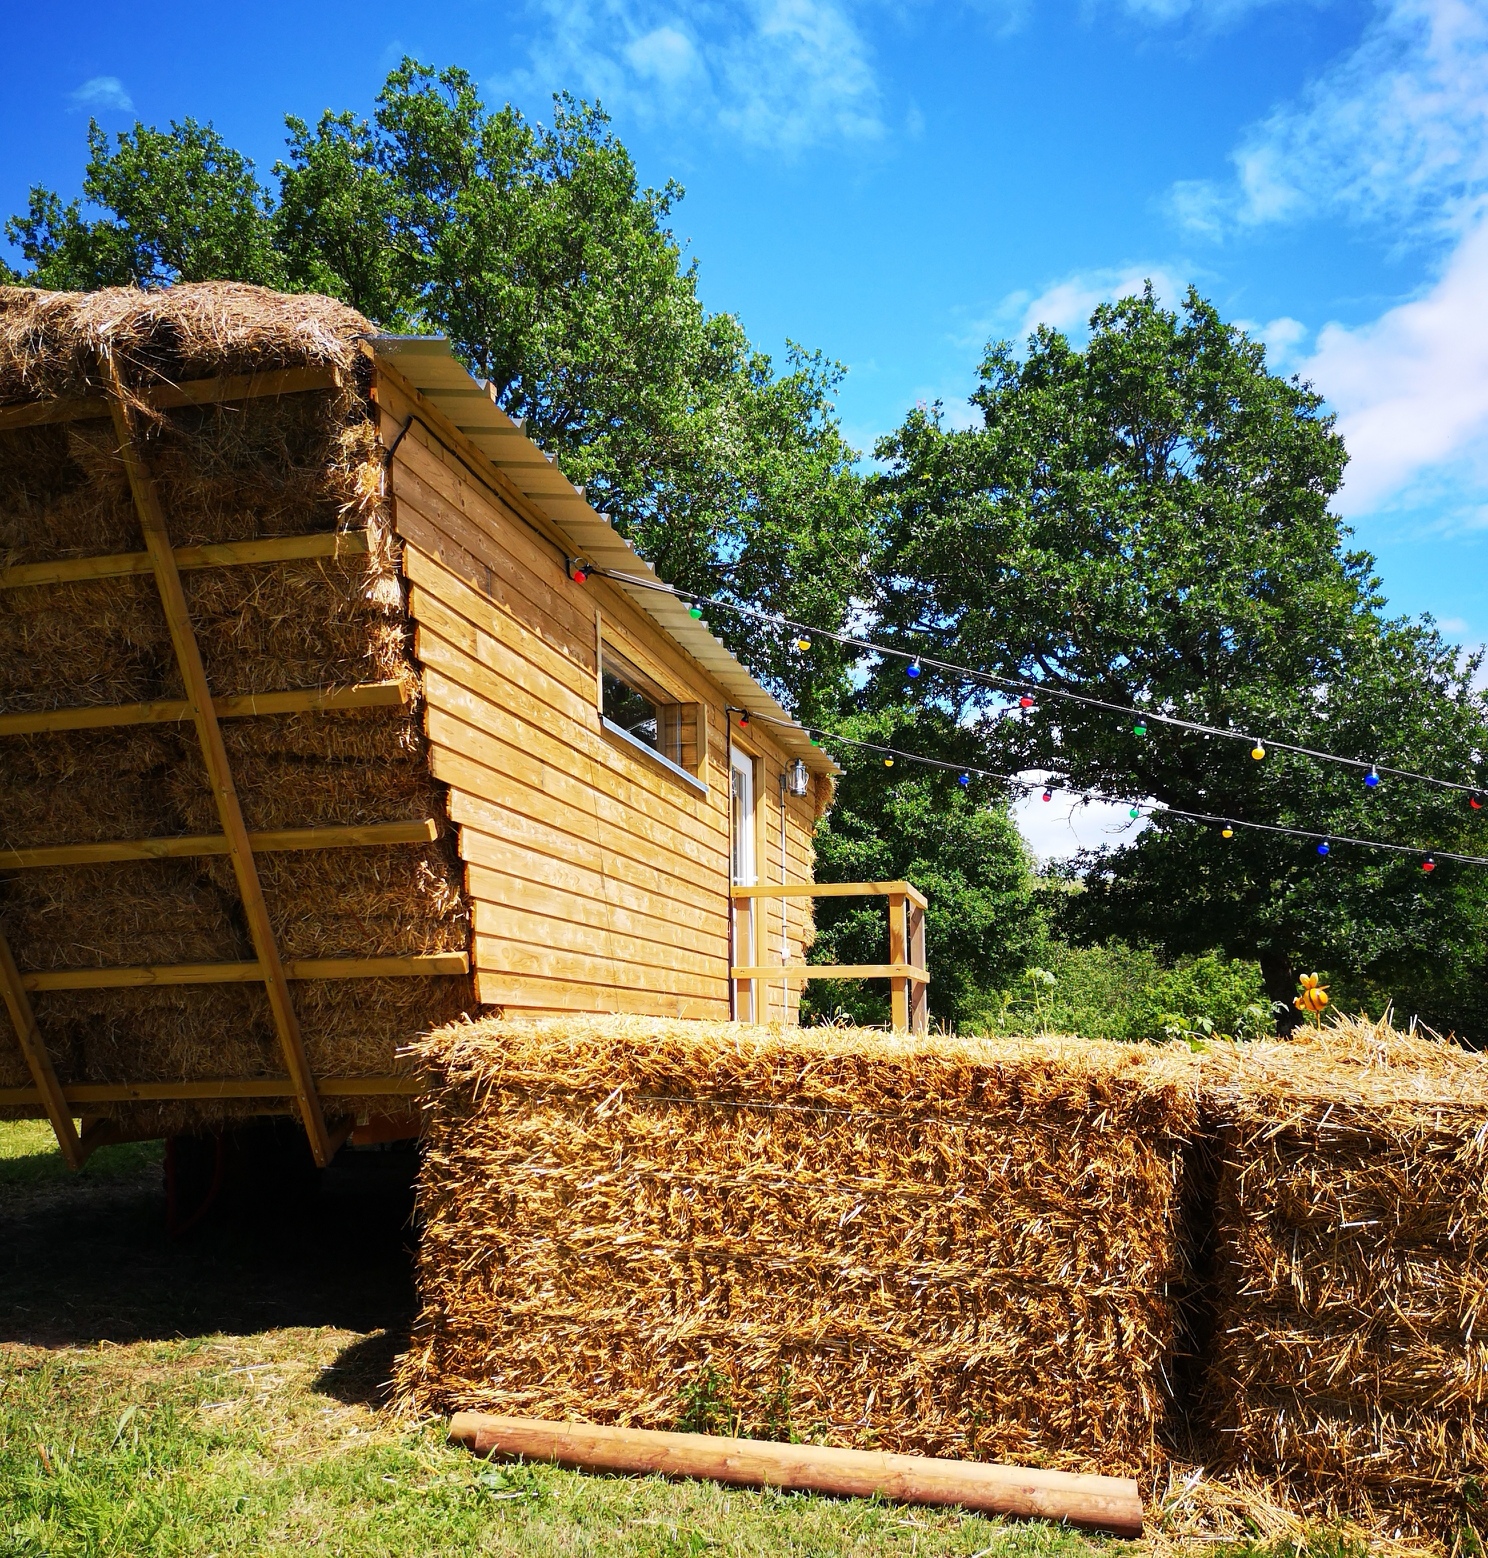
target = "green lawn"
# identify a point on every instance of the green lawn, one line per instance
(221, 1395)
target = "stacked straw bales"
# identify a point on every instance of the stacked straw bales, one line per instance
(276, 466)
(1270, 1259)
(941, 1246)
(1350, 1343)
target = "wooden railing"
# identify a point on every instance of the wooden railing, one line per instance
(905, 969)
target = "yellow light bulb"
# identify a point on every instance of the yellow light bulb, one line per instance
(1258, 751)
(1227, 833)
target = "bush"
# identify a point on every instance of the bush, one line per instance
(1119, 992)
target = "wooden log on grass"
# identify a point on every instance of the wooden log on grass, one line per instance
(1110, 1504)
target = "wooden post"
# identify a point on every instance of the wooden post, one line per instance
(1111, 1504)
(194, 677)
(18, 1004)
(919, 991)
(899, 985)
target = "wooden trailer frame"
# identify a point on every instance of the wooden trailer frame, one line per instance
(420, 381)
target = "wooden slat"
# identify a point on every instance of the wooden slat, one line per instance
(220, 554)
(48, 1090)
(415, 966)
(219, 771)
(104, 716)
(899, 954)
(834, 890)
(82, 1093)
(533, 994)
(171, 397)
(507, 840)
(683, 951)
(835, 971)
(337, 836)
(567, 759)
(566, 892)
(509, 764)
(521, 957)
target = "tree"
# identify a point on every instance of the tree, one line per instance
(1147, 522)
(181, 206)
(556, 277)
(957, 843)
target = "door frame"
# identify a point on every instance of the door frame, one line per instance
(743, 993)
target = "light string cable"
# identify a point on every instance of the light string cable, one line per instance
(1145, 808)
(1035, 689)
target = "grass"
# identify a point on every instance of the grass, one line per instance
(221, 1395)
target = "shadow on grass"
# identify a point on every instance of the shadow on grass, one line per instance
(88, 1258)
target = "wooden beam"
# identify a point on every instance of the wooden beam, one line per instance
(919, 998)
(349, 836)
(209, 732)
(170, 397)
(220, 554)
(167, 711)
(1111, 1504)
(427, 965)
(898, 953)
(835, 890)
(268, 1088)
(833, 971)
(48, 1090)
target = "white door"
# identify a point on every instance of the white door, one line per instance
(741, 810)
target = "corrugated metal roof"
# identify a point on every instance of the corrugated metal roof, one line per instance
(428, 363)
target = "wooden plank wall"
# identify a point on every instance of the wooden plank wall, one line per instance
(598, 878)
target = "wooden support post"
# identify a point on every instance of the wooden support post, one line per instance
(18, 1004)
(198, 696)
(919, 989)
(898, 941)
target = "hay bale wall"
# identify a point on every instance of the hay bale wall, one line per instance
(1350, 1345)
(291, 465)
(938, 1246)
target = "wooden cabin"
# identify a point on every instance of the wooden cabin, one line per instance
(607, 812)
(582, 721)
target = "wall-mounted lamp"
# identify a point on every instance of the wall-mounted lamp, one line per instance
(799, 778)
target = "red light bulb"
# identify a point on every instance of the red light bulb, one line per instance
(1025, 702)
(1428, 864)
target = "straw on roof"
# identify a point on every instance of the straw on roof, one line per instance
(276, 466)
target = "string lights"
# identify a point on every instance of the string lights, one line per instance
(1226, 825)
(1030, 691)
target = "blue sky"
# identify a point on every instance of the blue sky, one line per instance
(895, 181)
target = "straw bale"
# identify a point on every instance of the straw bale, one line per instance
(1351, 1271)
(946, 1246)
(292, 465)
(51, 343)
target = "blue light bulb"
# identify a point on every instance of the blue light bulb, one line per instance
(1323, 847)
(1371, 778)
(964, 780)
(913, 668)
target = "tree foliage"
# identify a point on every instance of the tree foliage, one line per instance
(557, 278)
(956, 843)
(1147, 521)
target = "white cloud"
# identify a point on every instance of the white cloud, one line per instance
(777, 74)
(1411, 389)
(1063, 825)
(102, 93)
(1067, 304)
(664, 55)
(1396, 130)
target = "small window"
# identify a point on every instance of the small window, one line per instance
(640, 709)
(628, 707)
